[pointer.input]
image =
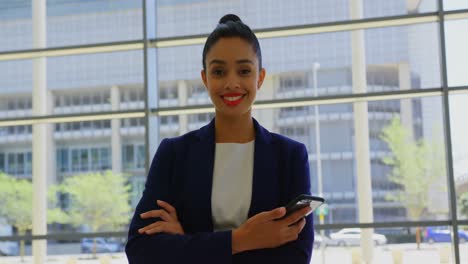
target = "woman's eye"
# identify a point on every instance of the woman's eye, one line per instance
(218, 72)
(245, 71)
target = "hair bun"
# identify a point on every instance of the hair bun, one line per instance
(229, 17)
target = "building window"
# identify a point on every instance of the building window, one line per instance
(168, 92)
(128, 157)
(141, 157)
(28, 164)
(105, 158)
(75, 160)
(2, 162)
(95, 164)
(293, 82)
(11, 169)
(62, 160)
(197, 90)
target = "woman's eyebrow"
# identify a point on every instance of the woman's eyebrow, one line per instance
(215, 61)
(244, 61)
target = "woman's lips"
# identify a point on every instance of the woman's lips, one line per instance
(233, 99)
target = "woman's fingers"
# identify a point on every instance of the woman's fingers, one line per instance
(169, 208)
(157, 213)
(148, 227)
(296, 216)
(162, 227)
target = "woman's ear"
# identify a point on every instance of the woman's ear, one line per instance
(261, 77)
(203, 76)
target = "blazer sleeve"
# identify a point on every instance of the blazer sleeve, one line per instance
(209, 247)
(299, 251)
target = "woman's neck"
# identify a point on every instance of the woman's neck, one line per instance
(238, 129)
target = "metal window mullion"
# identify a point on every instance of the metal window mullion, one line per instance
(145, 87)
(307, 101)
(448, 138)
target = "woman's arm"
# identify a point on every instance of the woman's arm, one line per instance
(300, 250)
(211, 247)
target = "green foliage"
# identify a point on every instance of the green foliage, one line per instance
(416, 167)
(463, 204)
(16, 202)
(99, 200)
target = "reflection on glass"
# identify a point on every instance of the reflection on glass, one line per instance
(463, 233)
(15, 25)
(319, 64)
(457, 54)
(455, 4)
(16, 90)
(86, 22)
(392, 245)
(406, 155)
(203, 14)
(459, 129)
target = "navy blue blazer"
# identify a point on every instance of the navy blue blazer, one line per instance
(181, 174)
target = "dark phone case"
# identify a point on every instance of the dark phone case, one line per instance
(300, 202)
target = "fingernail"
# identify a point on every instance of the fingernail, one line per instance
(140, 230)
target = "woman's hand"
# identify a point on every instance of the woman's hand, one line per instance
(264, 230)
(168, 224)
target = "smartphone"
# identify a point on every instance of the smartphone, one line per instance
(302, 201)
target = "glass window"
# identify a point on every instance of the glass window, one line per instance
(2, 162)
(397, 58)
(75, 22)
(455, 4)
(71, 74)
(95, 161)
(459, 129)
(62, 160)
(84, 161)
(20, 163)
(128, 157)
(194, 17)
(105, 159)
(16, 81)
(75, 160)
(141, 157)
(28, 164)
(12, 164)
(15, 25)
(457, 54)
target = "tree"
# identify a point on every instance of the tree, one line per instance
(463, 204)
(16, 205)
(416, 167)
(98, 200)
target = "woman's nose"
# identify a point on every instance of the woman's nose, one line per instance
(232, 82)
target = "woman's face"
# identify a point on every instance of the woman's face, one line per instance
(232, 76)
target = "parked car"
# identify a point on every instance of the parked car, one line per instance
(8, 248)
(102, 245)
(319, 240)
(443, 234)
(352, 237)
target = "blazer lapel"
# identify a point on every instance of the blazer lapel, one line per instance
(201, 164)
(264, 189)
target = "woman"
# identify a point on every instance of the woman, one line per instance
(215, 195)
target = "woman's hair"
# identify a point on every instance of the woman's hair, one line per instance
(232, 26)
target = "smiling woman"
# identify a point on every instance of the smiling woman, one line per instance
(215, 195)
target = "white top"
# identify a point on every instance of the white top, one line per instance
(232, 184)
